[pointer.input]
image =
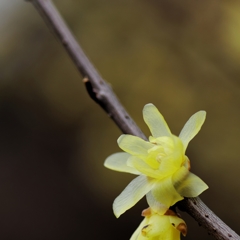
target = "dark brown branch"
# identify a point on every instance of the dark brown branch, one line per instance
(206, 218)
(101, 93)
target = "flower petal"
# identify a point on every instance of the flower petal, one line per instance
(165, 193)
(137, 232)
(171, 234)
(179, 224)
(160, 227)
(144, 168)
(155, 205)
(157, 226)
(192, 186)
(169, 164)
(155, 121)
(192, 127)
(179, 176)
(135, 190)
(134, 145)
(118, 162)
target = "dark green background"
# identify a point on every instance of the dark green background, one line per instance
(183, 56)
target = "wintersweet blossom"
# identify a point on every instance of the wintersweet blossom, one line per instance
(160, 227)
(161, 164)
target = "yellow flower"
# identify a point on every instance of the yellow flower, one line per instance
(160, 227)
(161, 164)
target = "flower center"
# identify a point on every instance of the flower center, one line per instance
(159, 158)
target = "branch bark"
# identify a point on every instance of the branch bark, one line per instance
(98, 89)
(102, 94)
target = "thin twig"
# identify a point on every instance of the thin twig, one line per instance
(206, 218)
(101, 93)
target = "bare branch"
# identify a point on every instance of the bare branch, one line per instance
(95, 83)
(101, 93)
(206, 218)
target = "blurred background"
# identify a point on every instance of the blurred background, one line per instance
(183, 56)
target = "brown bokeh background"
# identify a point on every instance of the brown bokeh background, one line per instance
(183, 56)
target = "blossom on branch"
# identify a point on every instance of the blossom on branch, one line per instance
(156, 226)
(161, 164)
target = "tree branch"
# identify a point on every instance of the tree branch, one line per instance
(93, 80)
(206, 218)
(102, 93)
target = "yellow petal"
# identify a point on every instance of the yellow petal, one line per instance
(160, 228)
(179, 224)
(192, 186)
(135, 190)
(170, 154)
(155, 205)
(144, 168)
(134, 145)
(118, 162)
(179, 176)
(164, 192)
(166, 142)
(172, 234)
(155, 121)
(169, 164)
(136, 234)
(157, 226)
(192, 127)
